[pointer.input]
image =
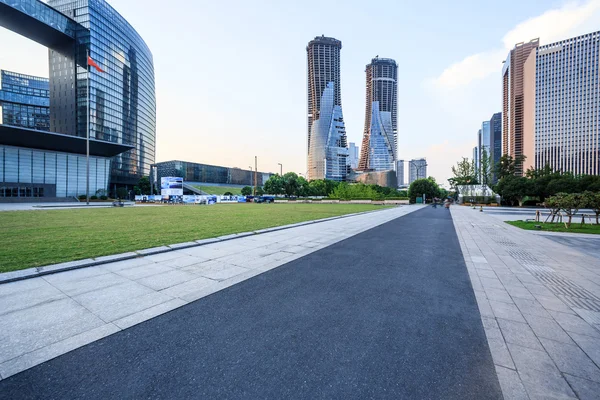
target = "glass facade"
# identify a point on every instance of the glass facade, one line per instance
(496, 143)
(41, 173)
(41, 12)
(328, 152)
(122, 107)
(381, 140)
(417, 169)
(24, 101)
(567, 97)
(203, 173)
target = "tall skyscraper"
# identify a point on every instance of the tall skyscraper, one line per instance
(400, 172)
(477, 153)
(561, 105)
(513, 84)
(417, 169)
(496, 143)
(327, 143)
(379, 146)
(354, 151)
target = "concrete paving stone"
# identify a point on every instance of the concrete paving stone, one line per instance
(511, 385)
(29, 298)
(14, 276)
(168, 255)
(32, 328)
(218, 270)
(570, 359)
(35, 357)
(183, 261)
(487, 273)
(7, 289)
(526, 277)
(492, 330)
(585, 389)
(184, 245)
(119, 265)
(484, 308)
(547, 328)
(477, 286)
(143, 271)
(531, 306)
(500, 353)
(73, 286)
(190, 287)
(541, 385)
(537, 289)
(479, 259)
(574, 324)
(491, 283)
(590, 345)
(519, 292)
(66, 266)
(207, 241)
(116, 257)
(506, 311)
(134, 305)
(519, 333)
(116, 294)
(498, 295)
(591, 317)
(166, 279)
(526, 358)
(209, 253)
(149, 313)
(553, 303)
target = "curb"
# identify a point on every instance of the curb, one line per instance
(13, 276)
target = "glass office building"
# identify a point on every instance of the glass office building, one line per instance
(496, 143)
(122, 99)
(24, 101)
(49, 123)
(212, 174)
(562, 105)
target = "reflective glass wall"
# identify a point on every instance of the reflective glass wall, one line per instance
(24, 101)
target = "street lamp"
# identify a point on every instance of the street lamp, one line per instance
(280, 169)
(251, 177)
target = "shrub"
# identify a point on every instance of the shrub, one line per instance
(227, 194)
(103, 197)
(82, 197)
(94, 197)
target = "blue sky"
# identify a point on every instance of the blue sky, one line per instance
(231, 76)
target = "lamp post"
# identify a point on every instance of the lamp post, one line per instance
(251, 177)
(280, 169)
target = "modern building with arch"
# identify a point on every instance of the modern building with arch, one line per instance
(119, 109)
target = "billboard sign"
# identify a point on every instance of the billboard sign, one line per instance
(171, 186)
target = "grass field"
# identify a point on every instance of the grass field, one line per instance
(219, 190)
(36, 238)
(576, 227)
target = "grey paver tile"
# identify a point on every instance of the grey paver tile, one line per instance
(571, 359)
(38, 326)
(116, 266)
(574, 323)
(484, 308)
(75, 285)
(182, 261)
(148, 313)
(553, 303)
(217, 270)
(491, 283)
(500, 353)
(167, 279)
(511, 385)
(498, 295)
(585, 389)
(541, 385)
(487, 273)
(531, 307)
(519, 334)
(53, 350)
(28, 298)
(547, 328)
(100, 298)
(7, 289)
(190, 287)
(168, 255)
(590, 345)
(142, 271)
(538, 289)
(506, 311)
(521, 292)
(527, 358)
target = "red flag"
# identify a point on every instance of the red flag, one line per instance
(93, 64)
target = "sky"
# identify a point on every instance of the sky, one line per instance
(231, 76)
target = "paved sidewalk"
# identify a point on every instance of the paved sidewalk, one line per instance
(385, 314)
(540, 305)
(44, 317)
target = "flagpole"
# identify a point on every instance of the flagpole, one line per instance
(87, 149)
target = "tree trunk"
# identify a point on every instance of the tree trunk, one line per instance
(597, 218)
(569, 221)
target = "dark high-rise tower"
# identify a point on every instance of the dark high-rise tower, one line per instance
(379, 146)
(326, 137)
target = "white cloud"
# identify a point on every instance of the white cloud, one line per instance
(572, 19)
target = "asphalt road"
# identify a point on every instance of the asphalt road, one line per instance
(388, 313)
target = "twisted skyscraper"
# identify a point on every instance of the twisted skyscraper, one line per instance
(379, 146)
(327, 143)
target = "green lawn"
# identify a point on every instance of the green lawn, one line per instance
(219, 190)
(36, 238)
(576, 227)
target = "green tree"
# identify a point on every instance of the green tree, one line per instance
(508, 165)
(227, 194)
(144, 185)
(259, 191)
(137, 190)
(485, 169)
(317, 187)
(540, 178)
(592, 200)
(423, 186)
(246, 191)
(513, 189)
(290, 183)
(589, 183)
(463, 173)
(274, 185)
(303, 187)
(570, 204)
(122, 193)
(565, 183)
